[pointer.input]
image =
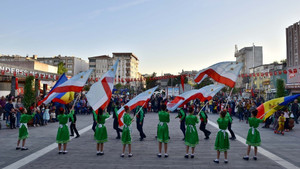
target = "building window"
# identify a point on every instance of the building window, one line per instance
(92, 65)
(69, 66)
(70, 61)
(92, 60)
(70, 71)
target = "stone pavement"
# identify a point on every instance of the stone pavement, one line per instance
(82, 151)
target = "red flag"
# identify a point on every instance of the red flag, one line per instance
(17, 83)
(222, 72)
(252, 93)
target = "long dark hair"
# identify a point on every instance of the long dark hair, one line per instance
(100, 112)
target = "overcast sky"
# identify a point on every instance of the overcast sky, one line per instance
(166, 35)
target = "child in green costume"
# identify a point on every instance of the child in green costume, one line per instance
(253, 138)
(191, 133)
(126, 136)
(100, 132)
(222, 141)
(163, 130)
(63, 135)
(23, 130)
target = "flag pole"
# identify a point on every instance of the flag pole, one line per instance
(202, 108)
(228, 98)
(138, 112)
(76, 100)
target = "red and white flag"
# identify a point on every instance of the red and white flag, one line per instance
(222, 72)
(203, 94)
(75, 84)
(100, 92)
(139, 100)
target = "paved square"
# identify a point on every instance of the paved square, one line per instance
(82, 151)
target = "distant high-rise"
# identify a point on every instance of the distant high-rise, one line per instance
(292, 45)
(293, 57)
(250, 57)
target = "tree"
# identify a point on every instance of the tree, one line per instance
(280, 88)
(283, 62)
(118, 86)
(151, 83)
(28, 92)
(61, 68)
(205, 82)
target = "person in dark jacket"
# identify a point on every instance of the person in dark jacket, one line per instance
(140, 121)
(181, 115)
(116, 122)
(8, 108)
(73, 126)
(295, 110)
(203, 118)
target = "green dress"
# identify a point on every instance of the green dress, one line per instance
(222, 141)
(253, 138)
(100, 133)
(63, 135)
(191, 134)
(23, 130)
(126, 137)
(162, 127)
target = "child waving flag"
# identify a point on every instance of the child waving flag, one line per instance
(101, 132)
(126, 136)
(63, 135)
(222, 141)
(191, 137)
(253, 137)
(163, 130)
(23, 130)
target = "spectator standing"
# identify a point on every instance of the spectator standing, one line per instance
(18, 106)
(46, 115)
(295, 110)
(240, 111)
(8, 107)
(2, 105)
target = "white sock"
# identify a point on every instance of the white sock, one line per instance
(225, 160)
(192, 154)
(159, 154)
(216, 159)
(246, 156)
(98, 151)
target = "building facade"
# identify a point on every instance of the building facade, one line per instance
(264, 81)
(14, 69)
(293, 57)
(127, 68)
(250, 57)
(100, 64)
(73, 64)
